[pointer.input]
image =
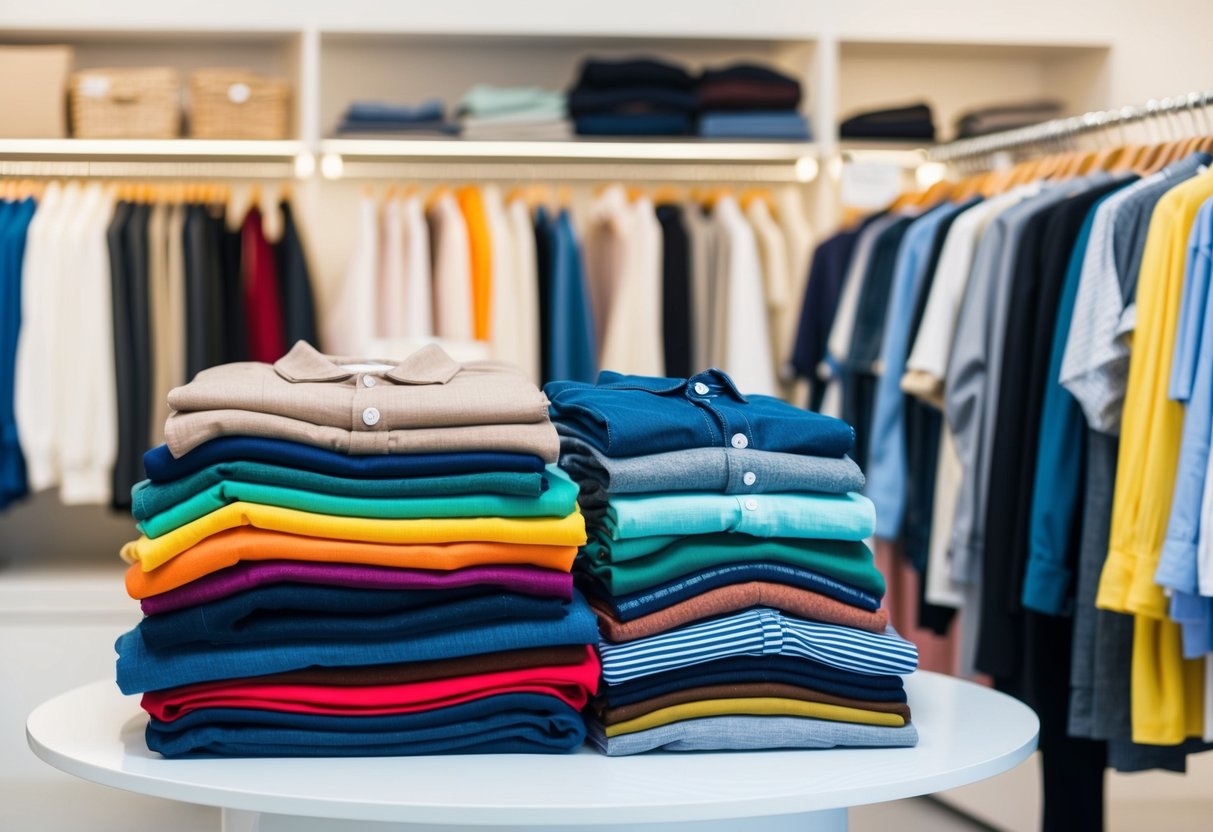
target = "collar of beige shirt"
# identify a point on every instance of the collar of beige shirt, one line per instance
(428, 365)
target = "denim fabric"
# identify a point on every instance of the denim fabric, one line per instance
(558, 501)
(792, 670)
(758, 632)
(751, 733)
(789, 125)
(637, 415)
(149, 498)
(300, 612)
(15, 218)
(162, 467)
(140, 670)
(632, 605)
(812, 516)
(722, 470)
(514, 723)
(671, 557)
(527, 580)
(886, 467)
(570, 352)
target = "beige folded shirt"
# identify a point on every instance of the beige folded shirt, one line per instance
(428, 402)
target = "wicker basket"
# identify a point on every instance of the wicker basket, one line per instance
(142, 103)
(238, 104)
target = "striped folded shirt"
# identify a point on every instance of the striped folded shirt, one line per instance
(754, 632)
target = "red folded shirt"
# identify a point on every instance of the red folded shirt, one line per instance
(572, 684)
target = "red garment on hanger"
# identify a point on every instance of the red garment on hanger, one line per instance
(262, 301)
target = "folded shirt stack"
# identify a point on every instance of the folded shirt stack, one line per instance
(376, 117)
(637, 97)
(520, 113)
(993, 119)
(342, 557)
(738, 605)
(910, 123)
(749, 101)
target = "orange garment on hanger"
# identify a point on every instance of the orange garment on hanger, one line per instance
(481, 258)
(228, 548)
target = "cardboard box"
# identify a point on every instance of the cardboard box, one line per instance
(33, 97)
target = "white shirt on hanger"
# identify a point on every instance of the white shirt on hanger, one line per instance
(391, 279)
(526, 288)
(777, 280)
(608, 237)
(746, 332)
(350, 325)
(452, 270)
(504, 330)
(418, 312)
(633, 342)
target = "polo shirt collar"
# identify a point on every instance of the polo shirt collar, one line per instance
(305, 363)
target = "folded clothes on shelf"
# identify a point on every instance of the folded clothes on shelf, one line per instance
(748, 87)
(756, 124)
(530, 113)
(383, 117)
(998, 117)
(912, 122)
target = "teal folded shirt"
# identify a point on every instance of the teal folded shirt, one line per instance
(848, 561)
(149, 498)
(825, 516)
(558, 500)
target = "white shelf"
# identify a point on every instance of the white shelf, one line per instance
(623, 150)
(154, 157)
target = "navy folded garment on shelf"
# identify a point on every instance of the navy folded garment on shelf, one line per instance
(750, 73)
(633, 124)
(286, 612)
(632, 100)
(511, 723)
(427, 111)
(913, 122)
(598, 72)
(161, 466)
(790, 670)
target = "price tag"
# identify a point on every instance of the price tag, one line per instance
(870, 185)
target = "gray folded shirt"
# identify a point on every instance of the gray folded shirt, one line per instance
(749, 733)
(720, 470)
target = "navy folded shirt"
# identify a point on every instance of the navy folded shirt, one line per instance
(597, 72)
(790, 670)
(161, 466)
(633, 124)
(639, 99)
(511, 723)
(624, 415)
(285, 612)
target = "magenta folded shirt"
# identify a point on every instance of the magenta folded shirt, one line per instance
(528, 580)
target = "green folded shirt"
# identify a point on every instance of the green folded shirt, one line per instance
(559, 500)
(847, 561)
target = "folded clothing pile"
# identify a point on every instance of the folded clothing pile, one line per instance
(993, 119)
(349, 558)
(636, 97)
(913, 123)
(532, 113)
(738, 605)
(749, 101)
(374, 117)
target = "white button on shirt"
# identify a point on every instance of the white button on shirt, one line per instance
(749, 478)
(740, 441)
(751, 505)
(701, 388)
(368, 381)
(370, 416)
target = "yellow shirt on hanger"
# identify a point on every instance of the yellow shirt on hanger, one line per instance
(152, 552)
(471, 203)
(1167, 691)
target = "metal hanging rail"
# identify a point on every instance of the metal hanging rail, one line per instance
(1057, 133)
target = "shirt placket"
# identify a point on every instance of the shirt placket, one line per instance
(772, 631)
(368, 423)
(702, 391)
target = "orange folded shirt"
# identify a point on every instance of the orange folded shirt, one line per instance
(230, 547)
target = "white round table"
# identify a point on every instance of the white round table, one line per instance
(967, 733)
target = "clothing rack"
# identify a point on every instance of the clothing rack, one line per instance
(1061, 133)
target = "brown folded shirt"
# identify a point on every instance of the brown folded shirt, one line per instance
(403, 674)
(611, 716)
(748, 95)
(803, 603)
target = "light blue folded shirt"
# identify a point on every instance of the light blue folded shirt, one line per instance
(825, 516)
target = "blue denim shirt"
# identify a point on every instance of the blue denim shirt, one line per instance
(568, 320)
(624, 415)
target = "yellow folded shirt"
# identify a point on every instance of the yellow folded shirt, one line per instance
(561, 531)
(753, 706)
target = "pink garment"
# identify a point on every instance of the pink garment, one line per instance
(572, 684)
